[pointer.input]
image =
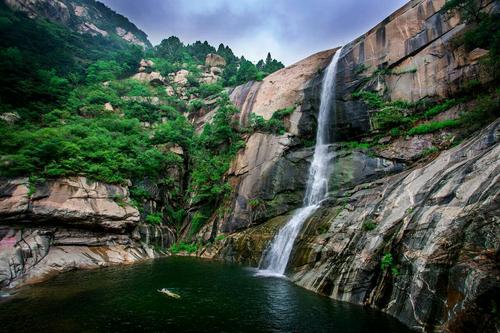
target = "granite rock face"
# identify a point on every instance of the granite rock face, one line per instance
(439, 224)
(48, 227)
(86, 17)
(30, 255)
(417, 240)
(273, 168)
(73, 201)
(412, 55)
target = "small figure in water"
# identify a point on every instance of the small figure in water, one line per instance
(169, 293)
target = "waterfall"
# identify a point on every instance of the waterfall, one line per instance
(276, 256)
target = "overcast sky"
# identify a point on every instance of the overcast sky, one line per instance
(290, 29)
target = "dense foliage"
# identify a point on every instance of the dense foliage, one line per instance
(171, 55)
(274, 125)
(41, 62)
(68, 107)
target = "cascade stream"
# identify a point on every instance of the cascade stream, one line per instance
(275, 258)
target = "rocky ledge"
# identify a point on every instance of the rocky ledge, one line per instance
(48, 227)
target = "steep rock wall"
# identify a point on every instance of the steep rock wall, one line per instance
(412, 55)
(273, 167)
(438, 221)
(433, 223)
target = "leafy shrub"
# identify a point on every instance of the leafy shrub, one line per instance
(195, 105)
(429, 151)
(33, 181)
(487, 109)
(369, 225)
(103, 70)
(207, 89)
(387, 262)
(274, 125)
(178, 131)
(184, 247)
(193, 79)
(141, 111)
(434, 126)
(120, 200)
(154, 218)
(356, 145)
(395, 132)
(390, 117)
(372, 99)
(437, 109)
(176, 216)
(197, 222)
(169, 112)
(164, 66)
(254, 203)
(220, 238)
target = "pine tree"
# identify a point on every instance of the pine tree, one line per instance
(269, 59)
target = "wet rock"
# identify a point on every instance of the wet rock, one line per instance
(439, 222)
(30, 255)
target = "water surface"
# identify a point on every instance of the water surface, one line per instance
(215, 297)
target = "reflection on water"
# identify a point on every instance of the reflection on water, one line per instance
(215, 297)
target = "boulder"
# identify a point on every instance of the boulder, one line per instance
(209, 78)
(180, 77)
(146, 63)
(108, 107)
(214, 60)
(153, 78)
(10, 117)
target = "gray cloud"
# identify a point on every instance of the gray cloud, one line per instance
(289, 29)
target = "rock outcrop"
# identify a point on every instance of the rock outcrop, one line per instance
(47, 227)
(89, 17)
(412, 55)
(268, 169)
(414, 237)
(73, 201)
(214, 60)
(438, 222)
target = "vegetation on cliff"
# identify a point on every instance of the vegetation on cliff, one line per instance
(69, 107)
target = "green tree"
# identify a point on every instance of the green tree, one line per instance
(103, 70)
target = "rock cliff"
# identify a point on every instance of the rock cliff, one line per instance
(47, 227)
(438, 223)
(268, 169)
(83, 16)
(414, 236)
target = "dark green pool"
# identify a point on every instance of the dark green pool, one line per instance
(215, 297)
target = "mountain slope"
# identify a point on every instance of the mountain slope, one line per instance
(83, 16)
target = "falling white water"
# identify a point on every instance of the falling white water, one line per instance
(277, 254)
